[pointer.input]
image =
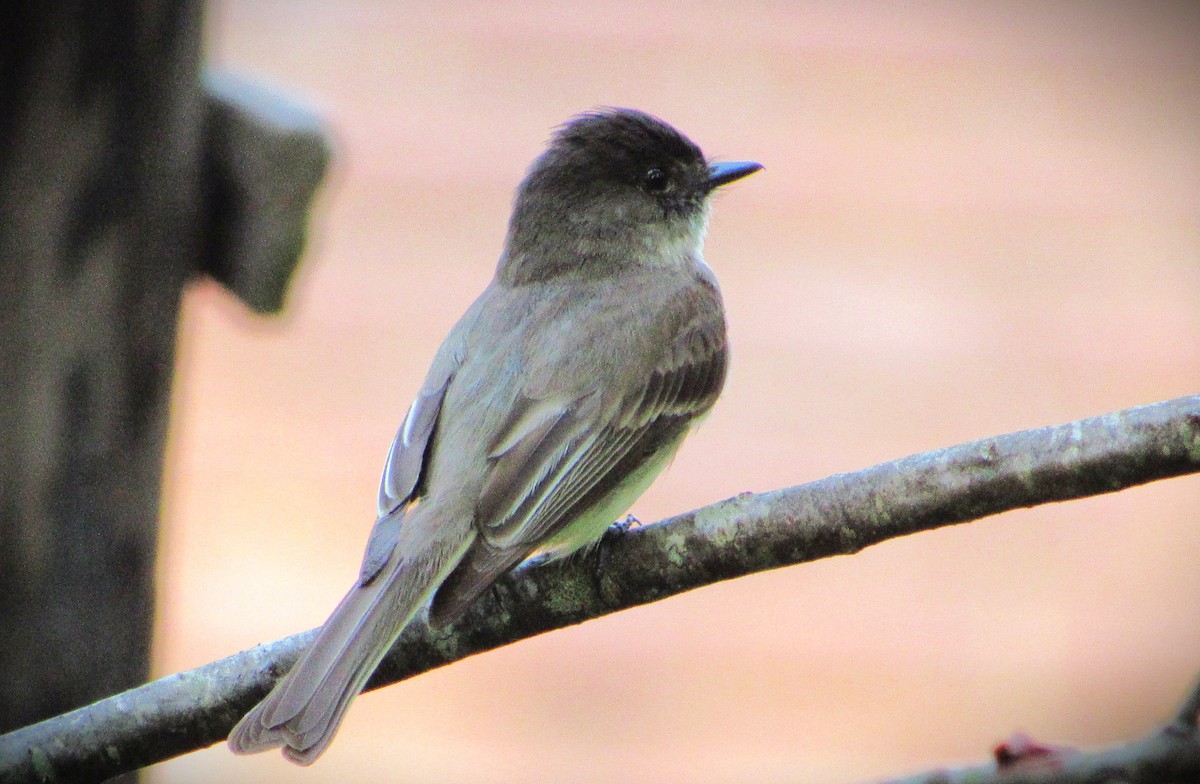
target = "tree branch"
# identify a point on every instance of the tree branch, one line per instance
(748, 533)
(1170, 754)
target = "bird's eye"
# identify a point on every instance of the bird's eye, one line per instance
(656, 180)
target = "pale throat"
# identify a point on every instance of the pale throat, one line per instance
(678, 243)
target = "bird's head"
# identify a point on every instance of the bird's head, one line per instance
(614, 187)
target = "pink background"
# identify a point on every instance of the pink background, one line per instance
(975, 218)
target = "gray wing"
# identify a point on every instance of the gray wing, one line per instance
(402, 477)
(402, 470)
(556, 459)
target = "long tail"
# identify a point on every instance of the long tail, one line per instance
(307, 705)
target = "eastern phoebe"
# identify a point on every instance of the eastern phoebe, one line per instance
(553, 403)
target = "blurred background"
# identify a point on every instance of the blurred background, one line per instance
(975, 218)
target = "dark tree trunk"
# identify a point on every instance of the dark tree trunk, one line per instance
(118, 182)
(100, 119)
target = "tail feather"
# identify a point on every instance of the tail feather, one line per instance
(307, 705)
(478, 569)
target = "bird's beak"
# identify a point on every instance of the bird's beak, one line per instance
(724, 173)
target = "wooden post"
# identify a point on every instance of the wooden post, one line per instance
(123, 173)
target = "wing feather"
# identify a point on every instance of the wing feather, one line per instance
(533, 492)
(401, 482)
(406, 456)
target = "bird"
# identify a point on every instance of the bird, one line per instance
(552, 404)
